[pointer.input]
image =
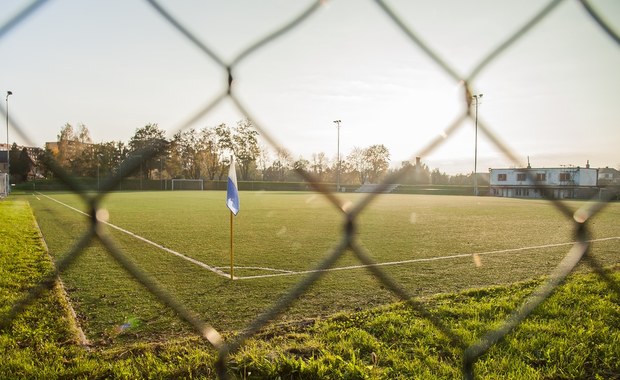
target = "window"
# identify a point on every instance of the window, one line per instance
(501, 177)
(541, 177)
(520, 176)
(564, 176)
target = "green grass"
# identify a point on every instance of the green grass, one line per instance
(573, 335)
(295, 231)
(42, 332)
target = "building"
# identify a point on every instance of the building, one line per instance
(608, 177)
(559, 183)
(33, 154)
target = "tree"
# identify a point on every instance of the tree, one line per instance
(150, 144)
(282, 164)
(357, 163)
(19, 164)
(108, 156)
(301, 164)
(208, 153)
(378, 160)
(185, 151)
(262, 160)
(225, 148)
(66, 142)
(319, 165)
(42, 168)
(245, 146)
(415, 174)
(75, 150)
(461, 179)
(438, 178)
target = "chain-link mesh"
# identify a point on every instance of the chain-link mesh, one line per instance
(578, 253)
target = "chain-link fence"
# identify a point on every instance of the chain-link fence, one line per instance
(347, 242)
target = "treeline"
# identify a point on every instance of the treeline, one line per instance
(205, 153)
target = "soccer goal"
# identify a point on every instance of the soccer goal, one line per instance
(187, 184)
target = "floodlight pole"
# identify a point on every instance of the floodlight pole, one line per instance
(8, 149)
(476, 99)
(161, 170)
(338, 156)
(98, 165)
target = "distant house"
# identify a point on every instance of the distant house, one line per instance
(559, 183)
(608, 176)
(33, 153)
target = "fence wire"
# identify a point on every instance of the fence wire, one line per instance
(578, 253)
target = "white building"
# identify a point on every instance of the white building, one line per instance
(559, 183)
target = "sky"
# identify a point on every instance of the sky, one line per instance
(117, 65)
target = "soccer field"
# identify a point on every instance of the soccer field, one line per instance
(426, 244)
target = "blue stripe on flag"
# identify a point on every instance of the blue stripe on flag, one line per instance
(232, 194)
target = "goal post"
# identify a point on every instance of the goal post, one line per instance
(187, 184)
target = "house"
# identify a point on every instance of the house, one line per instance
(32, 157)
(559, 183)
(608, 177)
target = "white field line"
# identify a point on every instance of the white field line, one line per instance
(261, 268)
(194, 261)
(437, 258)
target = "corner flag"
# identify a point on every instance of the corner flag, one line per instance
(232, 193)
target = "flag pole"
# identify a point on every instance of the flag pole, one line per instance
(232, 255)
(232, 202)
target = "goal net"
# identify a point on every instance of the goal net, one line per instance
(187, 184)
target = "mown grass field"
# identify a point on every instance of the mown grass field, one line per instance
(573, 335)
(295, 232)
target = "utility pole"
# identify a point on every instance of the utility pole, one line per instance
(8, 148)
(476, 98)
(338, 156)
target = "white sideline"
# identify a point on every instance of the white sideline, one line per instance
(462, 255)
(194, 261)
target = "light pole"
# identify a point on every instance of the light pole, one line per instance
(477, 98)
(8, 152)
(338, 156)
(161, 170)
(98, 165)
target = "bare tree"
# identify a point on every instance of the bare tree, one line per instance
(357, 163)
(319, 165)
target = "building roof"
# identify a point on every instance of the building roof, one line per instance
(566, 168)
(609, 171)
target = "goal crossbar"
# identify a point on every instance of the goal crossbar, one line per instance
(187, 184)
